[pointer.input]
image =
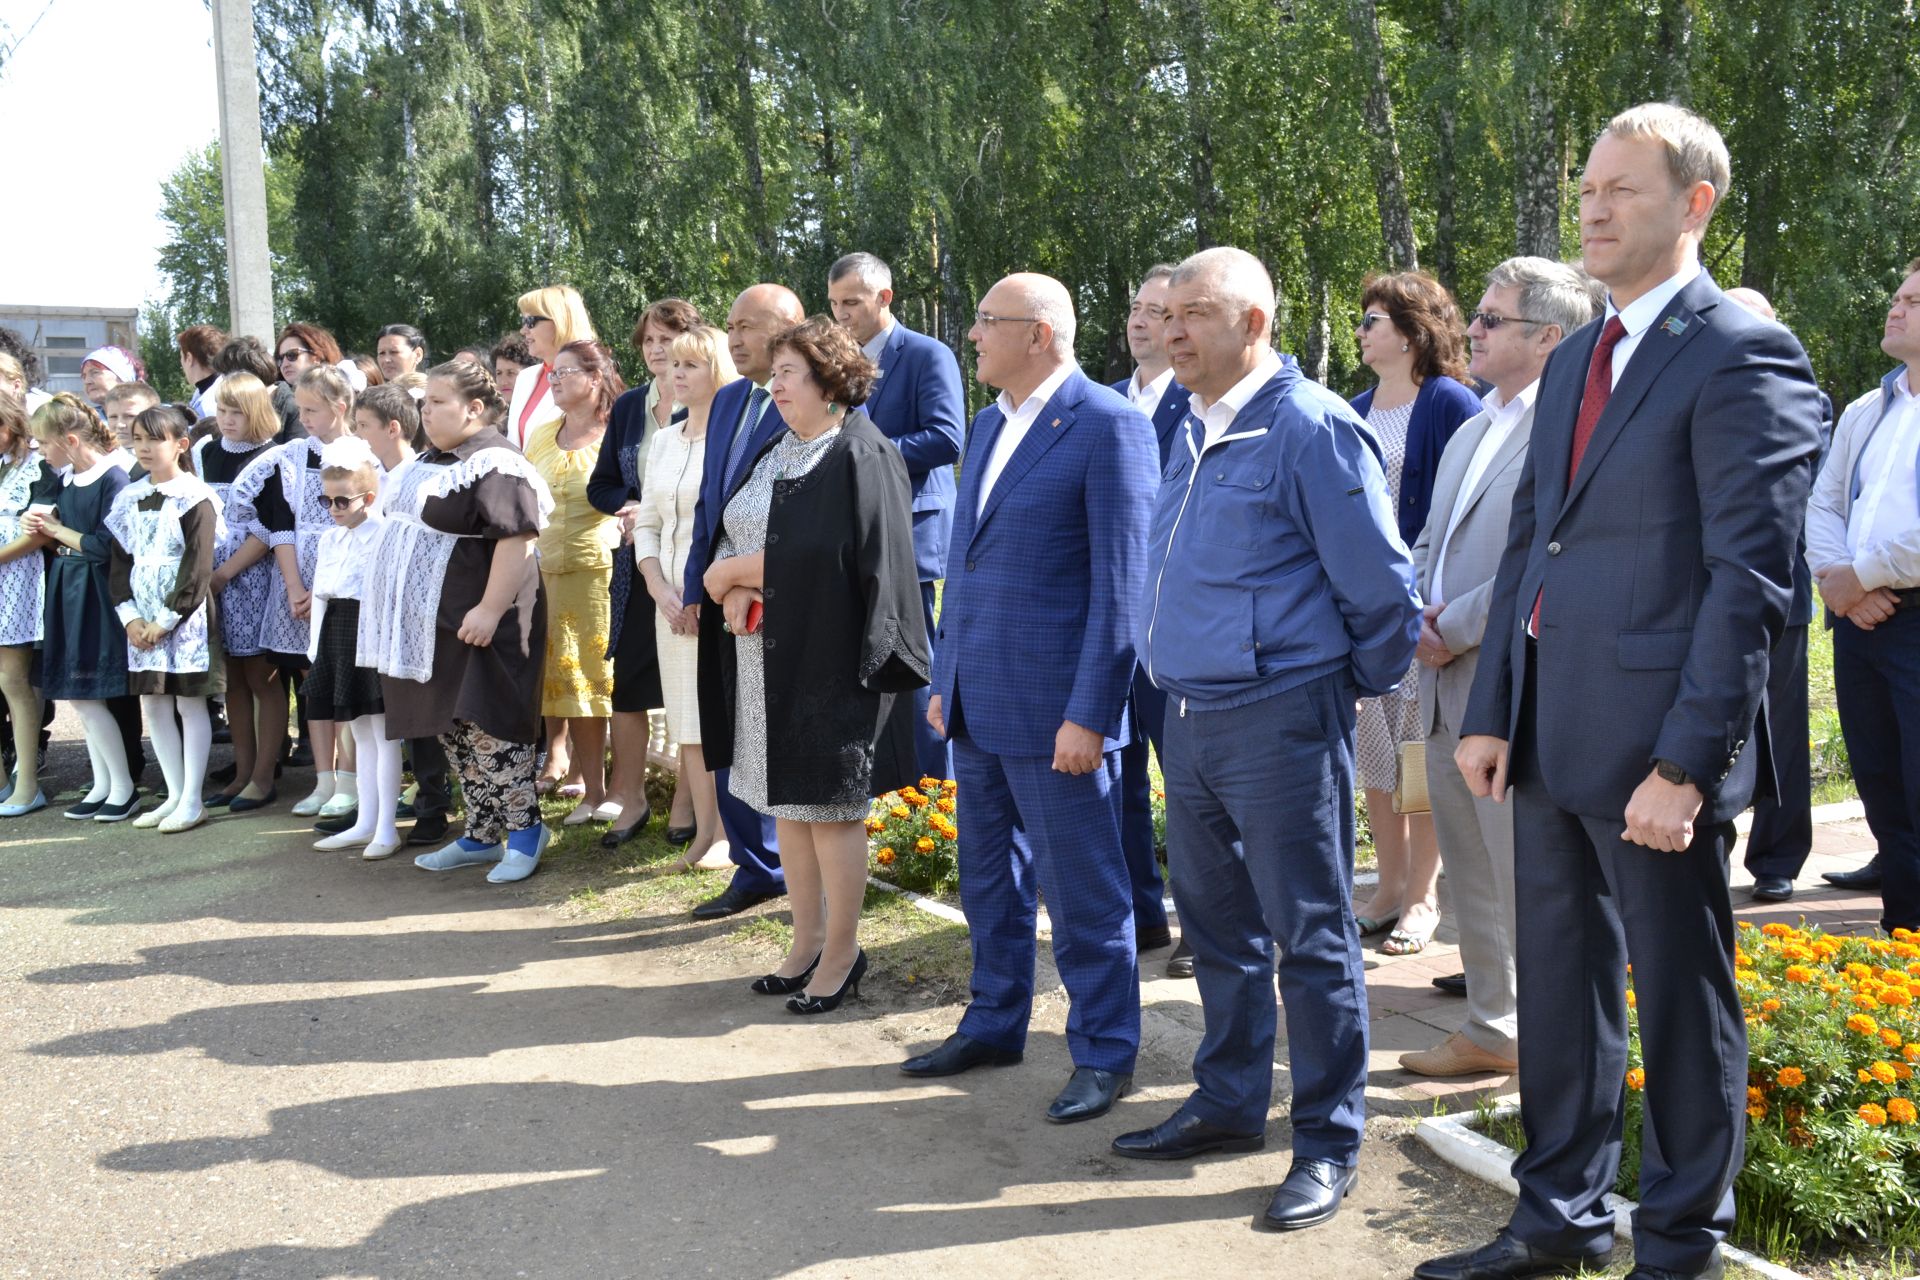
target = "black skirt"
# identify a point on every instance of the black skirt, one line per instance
(335, 689)
(636, 661)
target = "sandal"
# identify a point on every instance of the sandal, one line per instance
(1370, 926)
(1410, 942)
(544, 786)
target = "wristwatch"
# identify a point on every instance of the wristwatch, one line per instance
(1671, 772)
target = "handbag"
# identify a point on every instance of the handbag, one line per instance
(1410, 778)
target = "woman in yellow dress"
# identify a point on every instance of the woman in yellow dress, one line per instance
(576, 553)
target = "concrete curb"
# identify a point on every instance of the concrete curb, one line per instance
(1453, 1139)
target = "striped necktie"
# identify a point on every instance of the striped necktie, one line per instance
(749, 423)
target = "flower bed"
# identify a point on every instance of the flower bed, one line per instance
(912, 840)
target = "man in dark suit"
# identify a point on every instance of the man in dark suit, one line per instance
(916, 403)
(740, 423)
(1647, 576)
(1032, 665)
(1153, 391)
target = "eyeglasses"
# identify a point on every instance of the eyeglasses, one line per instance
(561, 375)
(344, 502)
(527, 322)
(292, 354)
(983, 318)
(1491, 320)
(1368, 319)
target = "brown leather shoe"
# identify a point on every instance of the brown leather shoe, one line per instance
(1457, 1056)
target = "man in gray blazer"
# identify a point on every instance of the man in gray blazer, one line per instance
(1529, 306)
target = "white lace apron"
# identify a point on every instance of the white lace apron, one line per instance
(156, 543)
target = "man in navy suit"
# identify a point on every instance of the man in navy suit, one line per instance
(1647, 576)
(740, 423)
(1153, 391)
(916, 403)
(1278, 591)
(1032, 665)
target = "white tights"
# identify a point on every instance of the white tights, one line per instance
(377, 776)
(180, 749)
(112, 780)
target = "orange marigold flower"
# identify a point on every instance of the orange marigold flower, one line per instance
(1861, 1024)
(1883, 1072)
(1795, 1115)
(1791, 1077)
(1758, 1111)
(1862, 1076)
(884, 857)
(1872, 1115)
(1857, 971)
(1901, 1111)
(1799, 1137)
(1755, 1095)
(1774, 929)
(901, 811)
(1865, 1002)
(1799, 973)
(923, 845)
(1797, 951)
(949, 786)
(875, 826)
(1771, 1006)
(1902, 1070)
(1637, 1078)
(917, 800)
(1904, 935)
(1911, 1053)
(1890, 1038)
(1633, 1001)
(946, 804)
(1896, 997)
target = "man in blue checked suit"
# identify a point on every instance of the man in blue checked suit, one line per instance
(739, 425)
(1032, 665)
(916, 403)
(1153, 391)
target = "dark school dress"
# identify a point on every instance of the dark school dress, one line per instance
(84, 650)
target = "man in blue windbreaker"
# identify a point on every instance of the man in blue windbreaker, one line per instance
(1278, 591)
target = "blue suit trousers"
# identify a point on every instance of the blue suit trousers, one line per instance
(1021, 825)
(1147, 711)
(750, 842)
(1260, 840)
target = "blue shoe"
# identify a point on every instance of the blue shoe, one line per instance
(34, 805)
(456, 855)
(518, 866)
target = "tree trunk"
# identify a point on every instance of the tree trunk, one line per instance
(1193, 53)
(1446, 169)
(749, 125)
(1539, 164)
(1389, 179)
(1313, 360)
(1673, 39)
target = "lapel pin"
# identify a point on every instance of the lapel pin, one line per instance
(1674, 325)
(1056, 422)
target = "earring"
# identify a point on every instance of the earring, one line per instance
(833, 410)
(1403, 346)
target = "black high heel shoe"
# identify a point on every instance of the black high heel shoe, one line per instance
(773, 984)
(804, 1003)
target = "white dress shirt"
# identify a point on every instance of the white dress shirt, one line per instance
(1219, 417)
(1147, 398)
(878, 342)
(1888, 509)
(1638, 316)
(1019, 422)
(1504, 416)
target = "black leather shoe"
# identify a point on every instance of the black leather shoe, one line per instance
(678, 836)
(431, 829)
(1091, 1092)
(1180, 1136)
(339, 822)
(1714, 1270)
(240, 804)
(1506, 1258)
(1180, 963)
(731, 902)
(956, 1054)
(1867, 877)
(1310, 1195)
(1454, 984)
(614, 837)
(772, 984)
(82, 809)
(1152, 939)
(1771, 889)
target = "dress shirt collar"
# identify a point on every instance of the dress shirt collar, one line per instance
(81, 479)
(1501, 410)
(1228, 406)
(1645, 309)
(1029, 409)
(1903, 384)
(878, 342)
(1154, 390)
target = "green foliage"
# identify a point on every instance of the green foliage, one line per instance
(434, 159)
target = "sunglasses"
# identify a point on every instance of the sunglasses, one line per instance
(345, 501)
(292, 354)
(527, 322)
(1369, 319)
(1491, 320)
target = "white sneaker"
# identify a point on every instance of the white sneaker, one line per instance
(375, 852)
(451, 857)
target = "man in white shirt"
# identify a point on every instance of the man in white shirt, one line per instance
(1863, 543)
(1529, 306)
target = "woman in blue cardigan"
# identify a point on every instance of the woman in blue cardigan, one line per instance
(1411, 335)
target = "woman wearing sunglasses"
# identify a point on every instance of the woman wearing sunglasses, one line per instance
(550, 318)
(1412, 337)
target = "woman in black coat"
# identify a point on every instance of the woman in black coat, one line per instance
(812, 631)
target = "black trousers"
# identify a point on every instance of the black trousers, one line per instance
(430, 770)
(1876, 680)
(1782, 834)
(1589, 904)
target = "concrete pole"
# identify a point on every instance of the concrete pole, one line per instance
(242, 172)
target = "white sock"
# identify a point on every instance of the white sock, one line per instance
(322, 786)
(106, 750)
(196, 746)
(346, 784)
(158, 710)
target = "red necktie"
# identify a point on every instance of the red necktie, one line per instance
(1592, 402)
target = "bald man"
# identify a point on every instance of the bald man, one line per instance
(1032, 666)
(740, 424)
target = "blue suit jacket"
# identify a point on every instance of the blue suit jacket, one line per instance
(1438, 410)
(916, 403)
(1036, 624)
(723, 419)
(1167, 415)
(1666, 563)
